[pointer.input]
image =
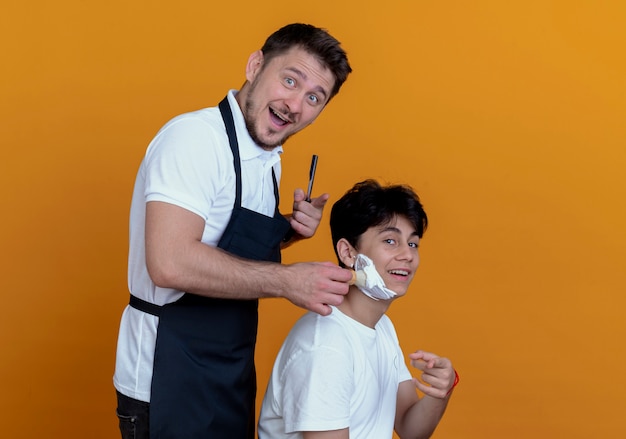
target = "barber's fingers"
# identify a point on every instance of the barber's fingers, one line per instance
(317, 285)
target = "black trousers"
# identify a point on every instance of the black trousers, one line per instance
(134, 417)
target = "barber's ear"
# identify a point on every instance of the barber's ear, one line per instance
(346, 252)
(255, 62)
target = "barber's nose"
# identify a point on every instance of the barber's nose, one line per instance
(294, 103)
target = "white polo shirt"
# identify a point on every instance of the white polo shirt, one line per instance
(189, 164)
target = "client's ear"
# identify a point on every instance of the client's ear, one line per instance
(346, 252)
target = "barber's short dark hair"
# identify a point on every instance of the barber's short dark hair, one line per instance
(368, 204)
(316, 41)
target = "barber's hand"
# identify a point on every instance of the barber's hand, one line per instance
(306, 215)
(316, 285)
(438, 376)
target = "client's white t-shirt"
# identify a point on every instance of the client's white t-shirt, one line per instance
(331, 373)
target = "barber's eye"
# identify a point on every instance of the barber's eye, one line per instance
(290, 81)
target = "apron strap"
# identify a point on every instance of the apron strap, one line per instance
(229, 123)
(144, 306)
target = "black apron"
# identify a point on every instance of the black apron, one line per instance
(204, 380)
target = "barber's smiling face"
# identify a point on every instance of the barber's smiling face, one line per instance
(393, 248)
(285, 94)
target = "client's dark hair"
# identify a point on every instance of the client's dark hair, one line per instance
(368, 204)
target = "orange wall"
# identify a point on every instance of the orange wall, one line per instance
(507, 117)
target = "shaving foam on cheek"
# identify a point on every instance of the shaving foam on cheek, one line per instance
(367, 279)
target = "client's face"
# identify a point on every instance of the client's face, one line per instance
(393, 248)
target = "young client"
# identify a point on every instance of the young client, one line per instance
(344, 375)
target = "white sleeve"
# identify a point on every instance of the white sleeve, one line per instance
(403, 371)
(404, 374)
(317, 390)
(183, 166)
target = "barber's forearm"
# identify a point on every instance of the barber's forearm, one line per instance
(210, 271)
(176, 258)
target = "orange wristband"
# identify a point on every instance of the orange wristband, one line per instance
(456, 381)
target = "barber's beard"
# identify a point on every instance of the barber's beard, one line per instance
(248, 112)
(252, 129)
